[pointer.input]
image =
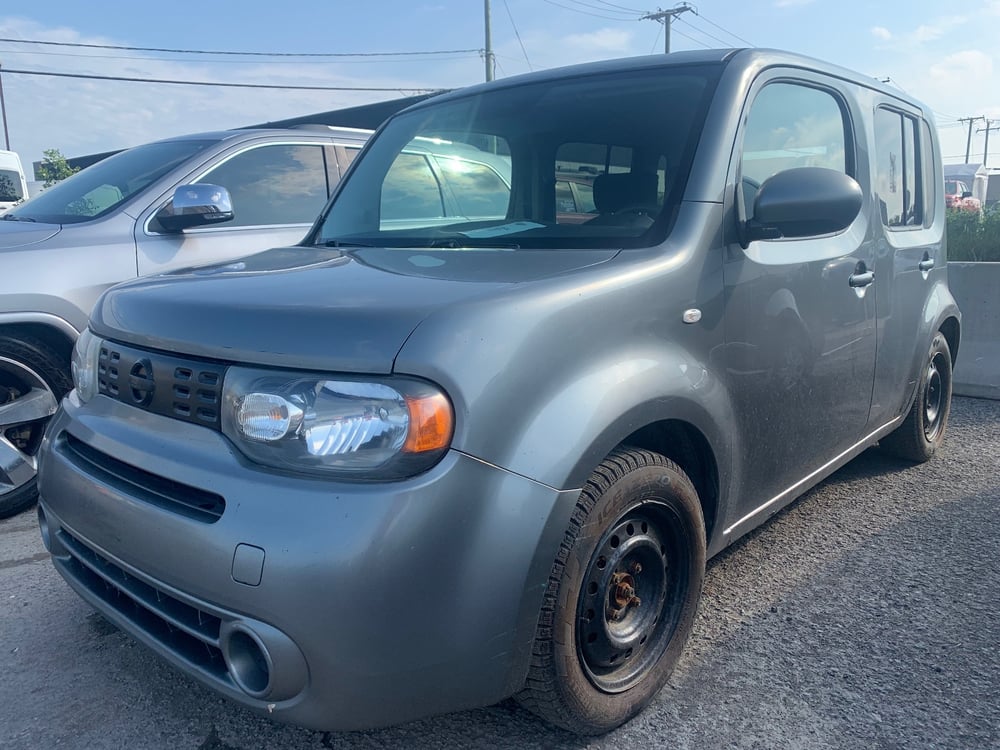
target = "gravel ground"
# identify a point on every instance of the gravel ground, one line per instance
(866, 615)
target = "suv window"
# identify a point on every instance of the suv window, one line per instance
(791, 125)
(897, 169)
(274, 184)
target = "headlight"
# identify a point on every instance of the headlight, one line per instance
(367, 429)
(84, 365)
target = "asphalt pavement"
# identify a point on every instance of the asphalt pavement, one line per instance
(866, 615)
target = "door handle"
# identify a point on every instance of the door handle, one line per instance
(926, 264)
(861, 280)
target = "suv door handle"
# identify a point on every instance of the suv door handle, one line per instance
(861, 280)
(926, 264)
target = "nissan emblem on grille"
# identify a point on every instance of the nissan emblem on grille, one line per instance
(140, 381)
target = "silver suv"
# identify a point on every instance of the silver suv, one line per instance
(121, 218)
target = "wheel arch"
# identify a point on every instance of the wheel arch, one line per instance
(55, 333)
(687, 446)
(951, 329)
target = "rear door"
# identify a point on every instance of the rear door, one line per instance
(800, 338)
(278, 188)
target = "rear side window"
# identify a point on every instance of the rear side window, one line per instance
(929, 181)
(789, 126)
(897, 172)
(10, 185)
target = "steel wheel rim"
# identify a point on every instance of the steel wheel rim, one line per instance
(933, 400)
(619, 640)
(26, 404)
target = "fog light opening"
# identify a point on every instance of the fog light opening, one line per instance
(43, 527)
(248, 663)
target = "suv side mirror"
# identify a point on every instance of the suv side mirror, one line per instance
(804, 202)
(195, 206)
(966, 194)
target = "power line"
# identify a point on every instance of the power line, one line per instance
(517, 34)
(630, 14)
(720, 28)
(622, 7)
(577, 10)
(229, 52)
(133, 58)
(696, 41)
(702, 31)
(10, 71)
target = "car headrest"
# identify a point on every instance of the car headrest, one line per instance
(613, 192)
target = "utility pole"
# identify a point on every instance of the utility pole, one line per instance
(666, 17)
(3, 111)
(488, 52)
(968, 141)
(990, 125)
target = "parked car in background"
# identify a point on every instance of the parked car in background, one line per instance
(454, 447)
(13, 187)
(958, 196)
(117, 220)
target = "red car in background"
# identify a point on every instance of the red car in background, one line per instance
(958, 196)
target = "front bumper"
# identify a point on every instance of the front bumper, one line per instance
(325, 604)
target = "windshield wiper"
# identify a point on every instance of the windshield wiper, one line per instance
(341, 243)
(11, 217)
(450, 243)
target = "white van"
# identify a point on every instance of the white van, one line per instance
(13, 188)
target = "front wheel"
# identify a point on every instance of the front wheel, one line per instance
(32, 380)
(622, 595)
(922, 432)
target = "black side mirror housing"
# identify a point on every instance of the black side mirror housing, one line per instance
(194, 206)
(804, 202)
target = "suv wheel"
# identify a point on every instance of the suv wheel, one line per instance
(922, 432)
(621, 597)
(32, 380)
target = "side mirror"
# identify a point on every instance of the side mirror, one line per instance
(967, 194)
(804, 202)
(196, 206)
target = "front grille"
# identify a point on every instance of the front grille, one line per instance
(178, 387)
(182, 499)
(189, 633)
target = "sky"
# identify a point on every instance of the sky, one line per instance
(946, 55)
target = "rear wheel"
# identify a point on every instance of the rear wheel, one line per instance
(622, 595)
(32, 380)
(922, 432)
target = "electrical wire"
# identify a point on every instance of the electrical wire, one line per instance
(622, 7)
(696, 41)
(629, 14)
(242, 54)
(133, 58)
(720, 28)
(9, 71)
(656, 42)
(723, 42)
(577, 10)
(517, 34)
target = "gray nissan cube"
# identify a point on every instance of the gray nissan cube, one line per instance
(461, 444)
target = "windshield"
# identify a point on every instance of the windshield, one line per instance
(10, 186)
(591, 161)
(102, 187)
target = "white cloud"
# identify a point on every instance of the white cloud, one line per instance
(880, 32)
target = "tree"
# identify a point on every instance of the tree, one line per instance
(54, 167)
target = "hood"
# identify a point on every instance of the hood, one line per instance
(314, 308)
(20, 233)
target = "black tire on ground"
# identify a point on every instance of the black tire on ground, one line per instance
(922, 432)
(621, 597)
(22, 360)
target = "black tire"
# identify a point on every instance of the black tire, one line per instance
(27, 366)
(637, 532)
(922, 432)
